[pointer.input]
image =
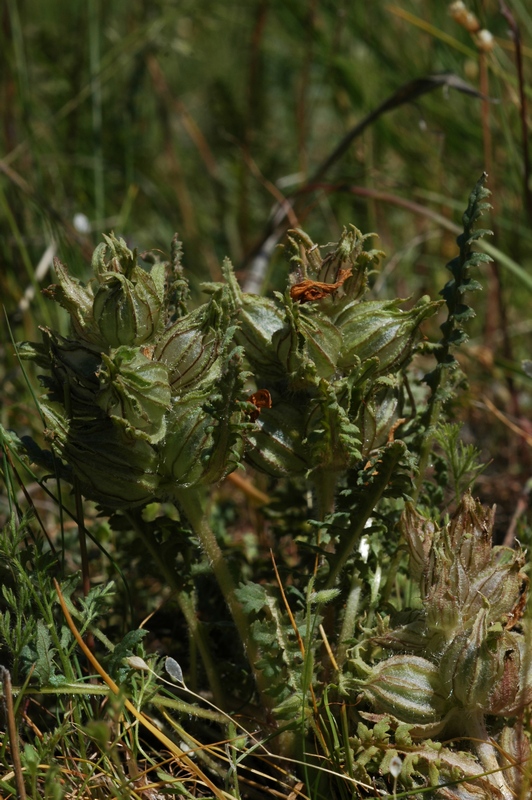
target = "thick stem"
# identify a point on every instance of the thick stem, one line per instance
(5, 677)
(426, 448)
(486, 753)
(325, 489)
(192, 502)
(186, 604)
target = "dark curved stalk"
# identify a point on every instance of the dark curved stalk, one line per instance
(186, 604)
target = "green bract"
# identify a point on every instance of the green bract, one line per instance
(409, 688)
(134, 392)
(145, 397)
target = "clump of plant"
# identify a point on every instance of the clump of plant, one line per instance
(462, 655)
(150, 400)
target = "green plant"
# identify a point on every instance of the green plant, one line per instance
(151, 401)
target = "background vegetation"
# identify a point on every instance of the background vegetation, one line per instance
(224, 121)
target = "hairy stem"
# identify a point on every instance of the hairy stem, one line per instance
(350, 616)
(325, 489)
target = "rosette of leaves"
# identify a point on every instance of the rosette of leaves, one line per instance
(324, 353)
(143, 397)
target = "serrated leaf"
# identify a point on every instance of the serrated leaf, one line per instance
(252, 597)
(44, 666)
(124, 649)
(479, 233)
(57, 679)
(65, 639)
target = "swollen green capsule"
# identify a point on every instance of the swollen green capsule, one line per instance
(485, 670)
(204, 438)
(192, 346)
(408, 688)
(307, 346)
(77, 299)
(113, 468)
(258, 319)
(74, 367)
(188, 441)
(275, 445)
(382, 329)
(127, 312)
(129, 303)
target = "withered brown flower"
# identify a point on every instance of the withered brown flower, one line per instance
(260, 399)
(308, 291)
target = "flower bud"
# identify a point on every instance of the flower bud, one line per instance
(123, 305)
(458, 569)
(340, 277)
(485, 41)
(466, 18)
